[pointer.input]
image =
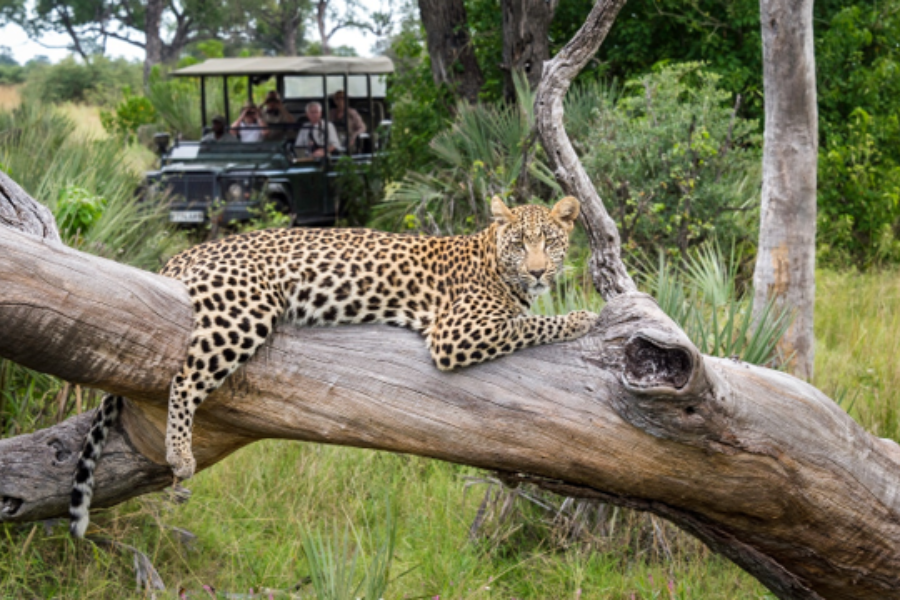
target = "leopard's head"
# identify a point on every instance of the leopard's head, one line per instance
(532, 242)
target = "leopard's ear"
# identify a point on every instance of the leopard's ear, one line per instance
(566, 211)
(500, 211)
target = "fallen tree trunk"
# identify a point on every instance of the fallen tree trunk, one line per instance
(759, 465)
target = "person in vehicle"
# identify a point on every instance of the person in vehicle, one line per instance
(250, 126)
(218, 133)
(312, 134)
(277, 118)
(354, 122)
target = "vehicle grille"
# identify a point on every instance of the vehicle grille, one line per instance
(191, 186)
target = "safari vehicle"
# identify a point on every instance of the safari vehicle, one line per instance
(231, 181)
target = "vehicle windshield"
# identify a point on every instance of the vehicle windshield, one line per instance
(226, 151)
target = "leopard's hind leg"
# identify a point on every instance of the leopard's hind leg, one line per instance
(228, 330)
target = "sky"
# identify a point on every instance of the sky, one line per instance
(24, 49)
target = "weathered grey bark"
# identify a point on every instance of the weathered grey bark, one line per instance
(785, 260)
(526, 41)
(757, 464)
(453, 61)
(610, 276)
(18, 211)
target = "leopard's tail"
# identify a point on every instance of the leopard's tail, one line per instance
(83, 486)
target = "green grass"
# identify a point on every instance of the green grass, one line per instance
(253, 512)
(857, 346)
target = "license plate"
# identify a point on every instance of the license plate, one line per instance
(186, 216)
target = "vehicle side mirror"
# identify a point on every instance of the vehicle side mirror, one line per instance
(162, 143)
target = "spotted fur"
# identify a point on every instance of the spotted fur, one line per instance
(468, 295)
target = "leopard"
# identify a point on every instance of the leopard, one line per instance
(468, 295)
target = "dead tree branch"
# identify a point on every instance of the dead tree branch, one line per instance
(607, 269)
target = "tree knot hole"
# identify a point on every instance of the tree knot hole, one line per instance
(9, 506)
(649, 365)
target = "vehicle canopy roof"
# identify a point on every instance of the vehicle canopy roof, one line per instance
(288, 65)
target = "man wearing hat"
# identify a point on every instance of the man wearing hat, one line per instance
(218, 133)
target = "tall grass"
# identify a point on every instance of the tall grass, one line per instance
(41, 151)
(857, 345)
(10, 97)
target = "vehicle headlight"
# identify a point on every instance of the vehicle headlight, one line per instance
(235, 192)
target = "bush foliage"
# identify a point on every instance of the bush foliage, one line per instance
(673, 162)
(859, 160)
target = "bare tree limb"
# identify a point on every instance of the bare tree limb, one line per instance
(607, 269)
(18, 211)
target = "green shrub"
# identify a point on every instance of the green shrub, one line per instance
(419, 109)
(858, 61)
(77, 211)
(703, 296)
(11, 74)
(858, 198)
(129, 115)
(673, 162)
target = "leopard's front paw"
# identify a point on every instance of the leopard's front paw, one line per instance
(579, 322)
(182, 463)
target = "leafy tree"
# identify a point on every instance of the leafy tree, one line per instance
(90, 23)
(10, 70)
(74, 19)
(98, 81)
(329, 19)
(277, 25)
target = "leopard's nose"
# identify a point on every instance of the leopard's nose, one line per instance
(537, 274)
